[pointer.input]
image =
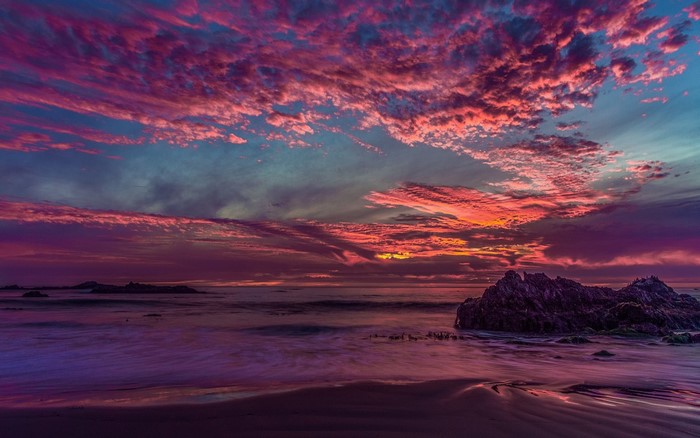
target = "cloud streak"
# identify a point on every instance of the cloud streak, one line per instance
(552, 176)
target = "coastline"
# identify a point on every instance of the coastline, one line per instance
(436, 408)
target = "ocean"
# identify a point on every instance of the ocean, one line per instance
(76, 348)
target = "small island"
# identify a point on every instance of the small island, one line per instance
(81, 286)
(536, 303)
(99, 288)
(139, 288)
(34, 294)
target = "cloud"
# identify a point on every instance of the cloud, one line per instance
(552, 176)
(655, 99)
(622, 69)
(35, 142)
(294, 248)
(674, 38)
(647, 170)
(432, 247)
(28, 212)
(292, 122)
(249, 236)
(693, 11)
(651, 258)
(234, 139)
(80, 76)
(470, 207)
(189, 72)
(571, 126)
(21, 122)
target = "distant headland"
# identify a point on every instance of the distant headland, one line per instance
(99, 288)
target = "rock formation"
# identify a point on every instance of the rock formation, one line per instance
(139, 288)
(88, 285)
(34, 294)
(539, 304)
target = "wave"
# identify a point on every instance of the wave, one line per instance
(607, 393)
(346, 305)
(54, 324)
(296, 329)
(686, 396)
(89, 302)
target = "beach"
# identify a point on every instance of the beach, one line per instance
(438, 408)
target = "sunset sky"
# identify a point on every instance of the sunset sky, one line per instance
(228, 142)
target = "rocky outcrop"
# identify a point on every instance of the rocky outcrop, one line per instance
(682, 338)
(34, 294)
(89, 285)
(139, 288)
(536, 303)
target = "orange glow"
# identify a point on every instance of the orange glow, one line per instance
(394, 255)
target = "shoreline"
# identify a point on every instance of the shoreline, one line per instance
(465, 407)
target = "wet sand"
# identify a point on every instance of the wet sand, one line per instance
(438, 408)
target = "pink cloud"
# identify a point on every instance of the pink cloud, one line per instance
(572, 126)
(693, 11)
(254, 237)
(291, 122)
(59, 214)
(234, 139)
(552, 177)
(657, 69)
(434, 73)
(408, 72)
(550, 164)
(647, 170)
(622, 69)
(624, 35)
(35, 142)
(651, 258)
(421, 248)
(469, 206)
(20, 122)
(674, 38)
(662, 99)
(311, 244)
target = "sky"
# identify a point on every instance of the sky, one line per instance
(224, 142)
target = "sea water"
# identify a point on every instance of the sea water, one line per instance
(77, 348)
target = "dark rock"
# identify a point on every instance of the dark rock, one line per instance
(603, 353)
(11, 287)
(574, 340)
(138, 288)
(624, 331)
(34, 294)
(442, 336)
(519, 342)
(539, 304)
(88, 285)
(153, 315)
(681, 338)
